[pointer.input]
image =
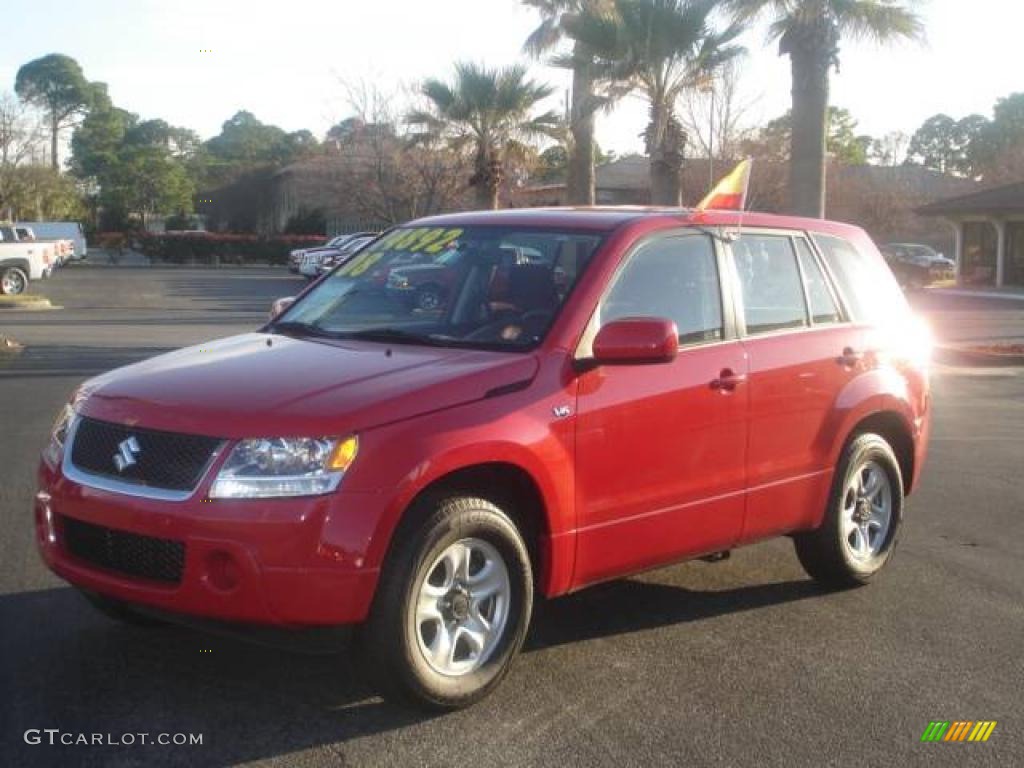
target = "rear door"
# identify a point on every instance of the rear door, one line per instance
(660, 448)
(802, 352)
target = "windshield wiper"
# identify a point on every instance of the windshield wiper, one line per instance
(396, 335)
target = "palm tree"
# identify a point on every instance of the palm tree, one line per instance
(489, 110)
(809, 32)
(660, 48)
(585, 103)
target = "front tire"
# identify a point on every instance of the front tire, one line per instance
(452, 607)
(13, 281)
(865, 510)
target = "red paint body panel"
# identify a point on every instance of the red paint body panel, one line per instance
(660, 462)
(794, 378)
(635, 465)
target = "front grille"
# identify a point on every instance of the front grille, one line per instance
(164, 460)
(126, 553)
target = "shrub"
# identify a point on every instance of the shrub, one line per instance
(306, 222)
(209, 248)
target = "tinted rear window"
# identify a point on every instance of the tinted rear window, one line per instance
(867, 286)
(773, 297)
(823, 305)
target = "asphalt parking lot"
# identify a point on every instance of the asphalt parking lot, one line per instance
(743, 662)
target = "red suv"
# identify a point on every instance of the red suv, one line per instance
(650, 386)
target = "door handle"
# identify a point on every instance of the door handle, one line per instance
(727, 380)
(850, 357)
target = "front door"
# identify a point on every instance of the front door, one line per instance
(661, 448)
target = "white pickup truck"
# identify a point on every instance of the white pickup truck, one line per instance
(65, 248)
(55, 230)
(22, 262)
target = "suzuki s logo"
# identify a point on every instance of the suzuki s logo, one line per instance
(127, 450)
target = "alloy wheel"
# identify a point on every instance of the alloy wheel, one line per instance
(12, 283)
(867, 511)
(462, 605)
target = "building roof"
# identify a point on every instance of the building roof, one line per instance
(625, 173)
(997, 200)
(914, 181)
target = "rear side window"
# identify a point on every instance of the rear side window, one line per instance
(824, 309)
(675, 278)
(867, 285)
(773, 295)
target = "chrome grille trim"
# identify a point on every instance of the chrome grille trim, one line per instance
(110, 485)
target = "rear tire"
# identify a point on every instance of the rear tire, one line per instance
(860, 529)
(452, 607)
(13, 281)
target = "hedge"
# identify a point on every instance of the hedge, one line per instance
(211, 248)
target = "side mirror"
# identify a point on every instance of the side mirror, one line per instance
(280, 305)
(636, 341)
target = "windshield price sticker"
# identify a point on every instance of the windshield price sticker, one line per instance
(426, 239)
(431, 240)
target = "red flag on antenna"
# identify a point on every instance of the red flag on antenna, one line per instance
(730, 194)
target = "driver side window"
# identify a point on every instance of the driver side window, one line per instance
(675, 278)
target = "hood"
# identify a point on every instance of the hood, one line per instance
(261, 385)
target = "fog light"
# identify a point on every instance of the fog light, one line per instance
(222, 572)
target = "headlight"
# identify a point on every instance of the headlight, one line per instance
(54, 451)
(283, 466)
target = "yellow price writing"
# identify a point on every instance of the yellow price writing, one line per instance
(447, 239)
(432, 240)
(365, 264)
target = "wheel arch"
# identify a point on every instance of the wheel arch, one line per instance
(882, 401)
(893, 427)
(22, 264)
(507, 485)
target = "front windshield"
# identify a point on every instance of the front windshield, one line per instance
(483, 287)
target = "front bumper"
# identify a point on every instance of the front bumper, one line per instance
(253, 561)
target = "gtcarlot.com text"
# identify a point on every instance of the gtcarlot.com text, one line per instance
(55, 736)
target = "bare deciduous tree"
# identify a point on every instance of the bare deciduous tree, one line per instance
(21, 131)
(393, 178)
(716, 115)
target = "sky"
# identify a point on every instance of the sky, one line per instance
(195, 63)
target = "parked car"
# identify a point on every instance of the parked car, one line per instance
(426, 285)
(21, 262)
(64, 249)
(313, 255)
(60, 230)
(311, 265)
(295, 256)
(690, 384)
(917, 265)
(346, 252)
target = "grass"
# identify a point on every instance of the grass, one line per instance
(23, 300)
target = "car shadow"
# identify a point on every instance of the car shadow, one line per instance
(70, 668)
(634, 605)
